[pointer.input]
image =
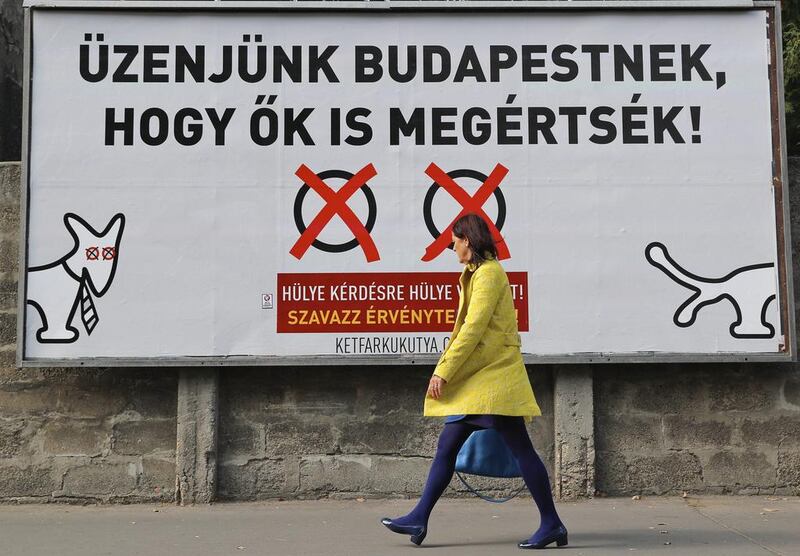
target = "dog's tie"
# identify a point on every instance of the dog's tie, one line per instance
(88, 310)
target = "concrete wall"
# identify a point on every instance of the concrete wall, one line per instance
(339, 432)
(720, 429)
(110, 434)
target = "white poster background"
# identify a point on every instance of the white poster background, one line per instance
(208, 228)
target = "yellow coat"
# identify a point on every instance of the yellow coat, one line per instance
(482, 364)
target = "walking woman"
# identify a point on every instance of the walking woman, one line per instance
(480, 382)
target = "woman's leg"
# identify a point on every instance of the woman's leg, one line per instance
(535, 475)
(444, 463)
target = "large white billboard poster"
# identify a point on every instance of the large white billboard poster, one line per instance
(256, 184)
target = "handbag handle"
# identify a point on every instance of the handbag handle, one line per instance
(488, 498)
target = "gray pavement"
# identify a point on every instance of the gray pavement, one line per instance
(733, 526)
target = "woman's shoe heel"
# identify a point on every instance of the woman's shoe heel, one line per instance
(417, 539)
(417, 532)
(558, 536)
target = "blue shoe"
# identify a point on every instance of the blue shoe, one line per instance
(417, 532)
(557, 535)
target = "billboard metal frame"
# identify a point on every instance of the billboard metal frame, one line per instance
(780, 172)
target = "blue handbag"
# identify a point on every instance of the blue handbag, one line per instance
(485, 453)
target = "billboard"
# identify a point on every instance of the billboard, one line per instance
(266, 186)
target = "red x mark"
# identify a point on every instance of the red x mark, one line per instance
(336, 204)
(470, 204)
(92, 253)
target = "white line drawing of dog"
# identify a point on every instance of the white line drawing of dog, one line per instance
(63, 287)
(749, 288)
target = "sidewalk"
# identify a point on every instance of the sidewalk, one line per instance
(704, 525)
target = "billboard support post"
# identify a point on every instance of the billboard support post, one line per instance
(573, 423)
(197, 436)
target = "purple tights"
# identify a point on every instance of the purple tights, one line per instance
(516, 437)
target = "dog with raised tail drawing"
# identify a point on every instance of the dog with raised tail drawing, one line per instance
(749, 288)
(62, 288)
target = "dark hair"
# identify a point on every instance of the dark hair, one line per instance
(481, 242)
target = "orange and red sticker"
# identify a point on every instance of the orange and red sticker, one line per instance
(378, 301)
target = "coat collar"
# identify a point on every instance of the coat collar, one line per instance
(472, 267)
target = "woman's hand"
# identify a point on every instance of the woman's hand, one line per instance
(435, 387)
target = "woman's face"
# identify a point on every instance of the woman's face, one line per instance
(461, 247)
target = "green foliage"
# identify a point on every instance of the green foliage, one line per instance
(791, 74)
